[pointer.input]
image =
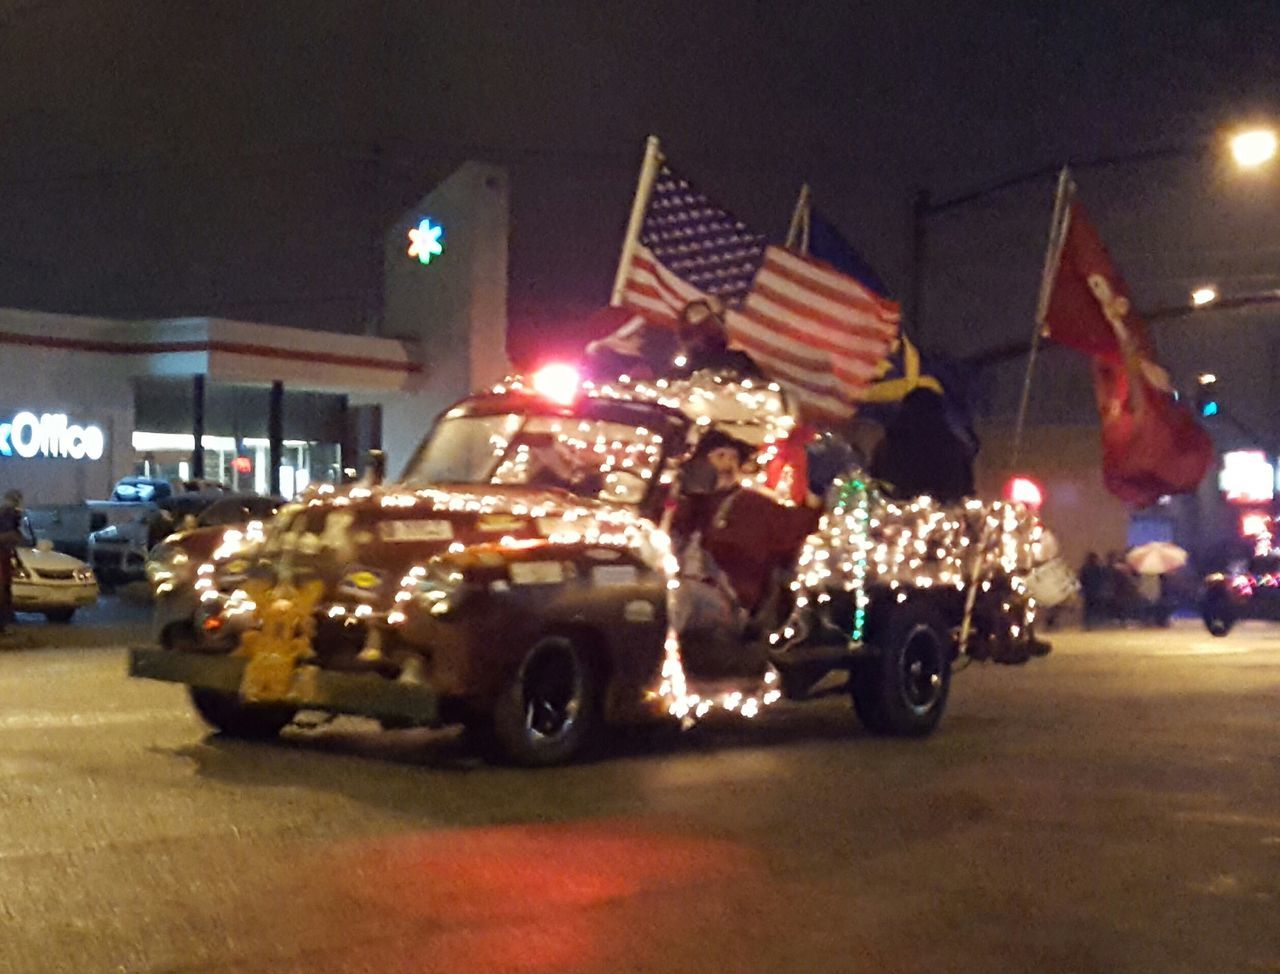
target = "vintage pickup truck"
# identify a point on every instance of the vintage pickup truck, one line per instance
(516, 579)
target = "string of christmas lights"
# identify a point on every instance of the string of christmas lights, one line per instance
(865, 541)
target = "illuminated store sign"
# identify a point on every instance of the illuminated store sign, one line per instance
(1247, 477)
(426, 240)
(50, 435)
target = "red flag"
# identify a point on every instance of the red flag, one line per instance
(1088, 292)
(1151, 444)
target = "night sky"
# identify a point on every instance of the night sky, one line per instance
(165, 157)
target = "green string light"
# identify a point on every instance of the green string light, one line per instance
(861, 518)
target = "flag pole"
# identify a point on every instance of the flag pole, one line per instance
(1057, 238)
(644, 188)
(798, 232)
(1052, 256)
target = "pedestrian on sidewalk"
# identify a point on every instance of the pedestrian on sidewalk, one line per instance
(1093, 588)
(10, 538)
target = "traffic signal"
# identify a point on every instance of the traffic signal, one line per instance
(1207, 395)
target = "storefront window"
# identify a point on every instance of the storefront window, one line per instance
(242, 466)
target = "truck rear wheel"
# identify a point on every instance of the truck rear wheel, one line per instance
(902, 689)
(550, 710)
(227, 714)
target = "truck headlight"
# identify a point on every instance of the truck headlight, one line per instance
(165, 563)
(433, 589)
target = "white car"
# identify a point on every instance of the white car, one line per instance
(52, 583)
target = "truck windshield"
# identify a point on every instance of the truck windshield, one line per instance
(589, 457)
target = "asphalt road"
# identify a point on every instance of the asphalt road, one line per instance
(1110, 808)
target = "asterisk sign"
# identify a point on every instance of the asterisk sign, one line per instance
(425, 241)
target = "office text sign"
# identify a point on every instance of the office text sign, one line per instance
(50, 435)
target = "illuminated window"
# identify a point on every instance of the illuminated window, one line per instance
(1247, 477)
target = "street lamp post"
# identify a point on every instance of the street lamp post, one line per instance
(1251, 148)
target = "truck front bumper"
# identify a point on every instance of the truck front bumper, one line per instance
(310, 688)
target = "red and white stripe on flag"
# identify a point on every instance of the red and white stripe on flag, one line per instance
(654, 291)
(816, 330)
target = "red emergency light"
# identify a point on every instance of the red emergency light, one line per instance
(558, 382)
(1024, 490)
(242, 465)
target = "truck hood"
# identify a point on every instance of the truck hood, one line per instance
(51, 561)
(362, 542)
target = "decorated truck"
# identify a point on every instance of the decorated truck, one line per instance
(522, 579)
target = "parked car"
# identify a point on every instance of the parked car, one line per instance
(141, 490)
(49, 582)
(118, 552)
(153, 490)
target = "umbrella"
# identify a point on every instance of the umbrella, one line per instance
(1156, 558)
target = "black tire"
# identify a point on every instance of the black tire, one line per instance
(902, 689)
(550, 711)
(59, 615)
(227, 714)
(1218, 624)
(1216, 610)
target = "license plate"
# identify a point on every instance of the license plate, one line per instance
(416, 530)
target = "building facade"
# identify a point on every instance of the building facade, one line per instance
(86, 401)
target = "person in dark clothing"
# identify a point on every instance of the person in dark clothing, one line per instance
(920, 454)
(10, 539)
(1093, 589)
(1121, 593)
(703, 343)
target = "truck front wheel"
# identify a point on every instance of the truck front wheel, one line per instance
(901, 689)
(225, 712)
(550, 709)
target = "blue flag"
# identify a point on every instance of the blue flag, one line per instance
(906, 368)
(828, 244)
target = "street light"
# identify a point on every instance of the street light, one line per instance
(1250, 148)
(1204, 295)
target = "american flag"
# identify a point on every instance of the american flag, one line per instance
(815, 329)
(818, 331)
(689, 248)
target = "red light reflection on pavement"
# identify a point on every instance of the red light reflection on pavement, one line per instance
(531, 898)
